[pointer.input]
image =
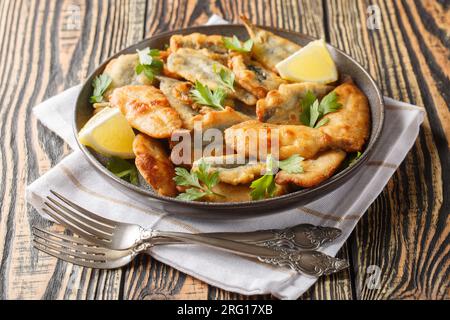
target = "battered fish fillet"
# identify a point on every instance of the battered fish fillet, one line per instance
(195, 66)
(268, 48)
(147, 110)
(283, 105)
(253, 77)
(349, 127)
(173, 90)
(292, 139)
(122, 72)
(315, 170)
(239, 193)
(231, 171)
(154, 165)
(222, 119)
(210, 45)
(219, 120)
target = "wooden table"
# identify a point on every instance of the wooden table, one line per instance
(48, 46)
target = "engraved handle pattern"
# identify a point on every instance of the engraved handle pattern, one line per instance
(312, 263)
(304, 236)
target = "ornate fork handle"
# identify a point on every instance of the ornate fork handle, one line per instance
(303, 236)
(313, 263)
(310, 262)
(299, 237)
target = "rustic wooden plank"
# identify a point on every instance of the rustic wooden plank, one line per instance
(302, 16)
(405, 232)
(48, 46)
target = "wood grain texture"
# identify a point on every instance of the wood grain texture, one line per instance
(46, 46)
(406, 231)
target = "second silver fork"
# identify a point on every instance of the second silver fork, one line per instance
(123, 236)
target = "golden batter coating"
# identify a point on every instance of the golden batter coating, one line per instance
(196, 66)
(292, 139)
(282, 106)
(252, 75)
(177, 99)
(154, 165)
(121, 70)
(239, 193)
(231, 170)
(316, 170)
(213, 43)
(268, 48)
(349, 127)
(147, 110)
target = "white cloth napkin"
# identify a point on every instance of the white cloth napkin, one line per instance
(75, 177)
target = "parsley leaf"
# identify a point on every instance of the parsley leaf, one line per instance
(123, 169)
(293, 164)
(265, 186)
(201, 180)
(354, 157)
(235, 45)
(312, 110)
(149, 63)
(100, 85)
(226, 77)
(205, 96)
(192, 194)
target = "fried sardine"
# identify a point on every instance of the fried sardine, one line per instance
(195, 66)
(147, 110)
(316, 170)
(283, 105)
(154, 165)
(256, 139)
(268, 48)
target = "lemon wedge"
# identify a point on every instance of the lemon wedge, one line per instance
(312, 63)
(108, 133)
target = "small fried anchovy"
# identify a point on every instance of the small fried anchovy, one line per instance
(252, 75)
(233, 169)
(282, 106)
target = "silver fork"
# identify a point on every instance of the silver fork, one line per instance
(81, 252)
(121, 236)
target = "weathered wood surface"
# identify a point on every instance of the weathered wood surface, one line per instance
(47, 46)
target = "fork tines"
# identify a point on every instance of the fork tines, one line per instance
(78, 219)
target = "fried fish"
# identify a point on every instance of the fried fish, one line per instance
(283, 105)
(154, 165)
(175, 92)
(196, 66)
(231, 170)
(252, 75)
(349, 127)
(147, 110)
(268, 48)
(210, 45)
(121, 70)
(256, 139)
(316, 170)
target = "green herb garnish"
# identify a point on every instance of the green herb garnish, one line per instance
(100, 84)
(235, 45)
(226, 77)
(149, 63)
(353, 158)
(205, 96)
(312, 111)
(265, 186)
(123, 169)
(200, 180)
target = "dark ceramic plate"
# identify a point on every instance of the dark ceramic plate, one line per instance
(345, 64)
